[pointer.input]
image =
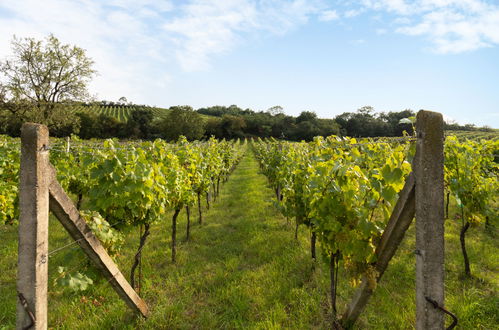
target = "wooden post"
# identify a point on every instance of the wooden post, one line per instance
(400, 219)
(32, 267)
(429, 172)
(69, 216)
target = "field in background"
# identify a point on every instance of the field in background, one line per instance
(474, 135)
(123, 112)
(120, 112)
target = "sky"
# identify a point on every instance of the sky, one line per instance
(325, 56)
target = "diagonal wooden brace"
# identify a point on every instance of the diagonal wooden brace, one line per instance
(400, 220)
(66, 212)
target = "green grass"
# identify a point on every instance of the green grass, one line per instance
(243, 269)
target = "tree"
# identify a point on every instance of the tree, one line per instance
(139, 125)
(182, 120)
(306, 116)
(275, 110)
(233, 126)
(45, 73)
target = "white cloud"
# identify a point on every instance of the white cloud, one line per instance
(206, 28)
(353, 13)
(452, 26)
(357, 42)
(115, 37)
(136, 44)
(328, 15)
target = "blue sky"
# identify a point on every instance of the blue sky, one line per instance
(325, 56)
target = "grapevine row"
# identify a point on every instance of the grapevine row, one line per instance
(132, 185)
(344, 190)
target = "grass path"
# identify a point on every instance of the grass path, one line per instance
(242, 269)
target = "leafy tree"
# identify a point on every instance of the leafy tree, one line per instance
(328, 127)
(275, 110)
(109, 127)
(44, 73)
(139, 125)
(213, 128)
(89, 125)
(283, 126)
(259, 124)
(233, 126)
(182, 120)
(306, 130)
(393, 120)
(306, 116)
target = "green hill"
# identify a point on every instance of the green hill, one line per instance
(119, 111)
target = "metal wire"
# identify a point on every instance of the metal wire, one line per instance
(74, 242)
(25, 305)
(345, 144)
(437, 306)
(65, 246)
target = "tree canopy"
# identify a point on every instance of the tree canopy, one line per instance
(43, 73)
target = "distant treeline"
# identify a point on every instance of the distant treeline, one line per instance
(219, 121)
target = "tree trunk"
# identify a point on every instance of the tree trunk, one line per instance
(208, 200)
(78, 202)
(333, 268)
(188, 229)
(312, 243)
(138, 255)
(199, 209)
(139, 286)
(174, 234)
(462, 237)
(218, 186)
(447, 205)
(214, 192)
(296, 231)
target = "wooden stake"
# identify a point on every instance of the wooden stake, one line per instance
(67, 213)
(400, 220)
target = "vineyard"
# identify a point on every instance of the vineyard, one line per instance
(120, 112)
(268, 234)
(474, 135)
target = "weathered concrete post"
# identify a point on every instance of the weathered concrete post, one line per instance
(32, 269)
(429, 172)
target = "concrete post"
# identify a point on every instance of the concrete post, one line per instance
(32, 269)
(429, 173)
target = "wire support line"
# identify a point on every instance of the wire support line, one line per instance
(65, 246)
(346, 144)
(106, 148)
(79, 152)
(73, 242)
